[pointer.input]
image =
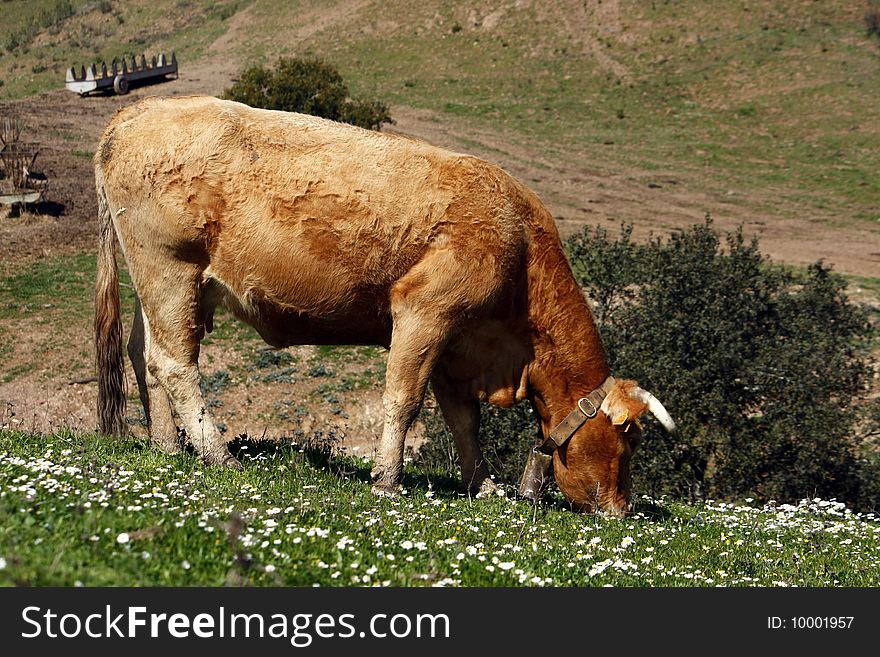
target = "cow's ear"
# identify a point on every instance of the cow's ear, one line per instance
(619, 406)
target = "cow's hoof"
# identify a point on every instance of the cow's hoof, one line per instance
(232, 463)
(167, 446)
(486, 489)
(386, 483)
(224, 459)
(382, 490)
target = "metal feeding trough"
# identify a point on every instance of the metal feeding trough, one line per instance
(120, 74)
(19, 183)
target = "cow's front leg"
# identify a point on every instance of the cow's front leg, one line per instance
(410, 361)
(400, 412)
(417, 339)
(462, 415)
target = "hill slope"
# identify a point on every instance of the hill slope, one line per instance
(765, 114)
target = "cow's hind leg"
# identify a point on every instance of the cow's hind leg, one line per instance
(157, 408)
(175, 325)
(462, 415)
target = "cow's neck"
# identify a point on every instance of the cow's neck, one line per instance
(569, 359)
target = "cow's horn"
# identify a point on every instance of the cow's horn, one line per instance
(655, 407)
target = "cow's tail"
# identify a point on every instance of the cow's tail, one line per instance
(108, 324)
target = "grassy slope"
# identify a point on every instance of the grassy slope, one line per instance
(780, 101)
(777, 101)
(74, 508)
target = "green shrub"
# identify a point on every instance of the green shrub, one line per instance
(765, 370)
(309, 86)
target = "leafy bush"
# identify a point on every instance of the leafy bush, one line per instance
(765, 370)
(309, 86)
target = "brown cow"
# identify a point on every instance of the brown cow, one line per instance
(315, 232)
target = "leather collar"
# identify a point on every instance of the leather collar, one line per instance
(586, 409)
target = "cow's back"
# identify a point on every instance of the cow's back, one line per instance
(301, 213)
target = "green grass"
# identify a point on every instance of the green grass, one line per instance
(58, 286)
(365, 362)
(17, 370)
(868, 284)
(80, 509)
(58, 293)
(341, 354)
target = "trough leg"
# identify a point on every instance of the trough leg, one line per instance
(157, 407)
(462, 415)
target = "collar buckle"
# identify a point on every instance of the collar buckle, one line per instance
(591, 412)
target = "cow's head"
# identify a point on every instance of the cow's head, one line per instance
(592, 468)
